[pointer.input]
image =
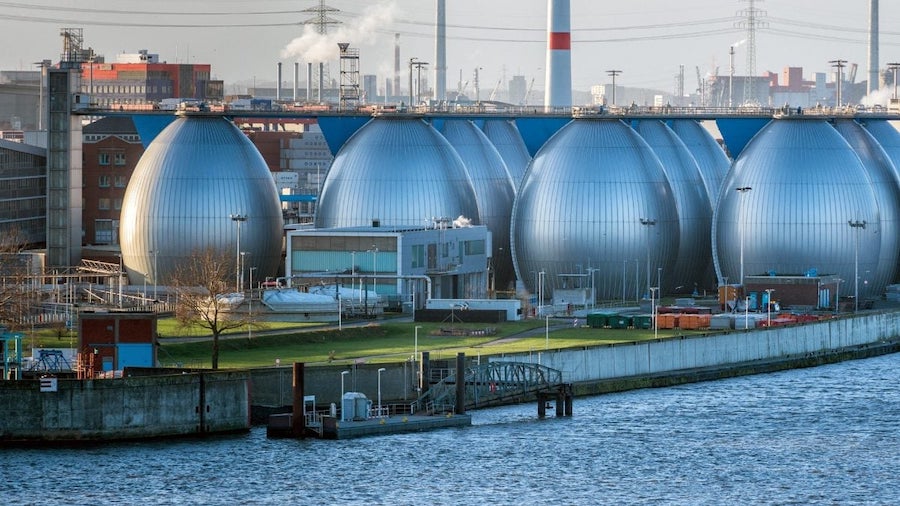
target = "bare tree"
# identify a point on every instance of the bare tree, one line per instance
(15, 299)
(205, 295)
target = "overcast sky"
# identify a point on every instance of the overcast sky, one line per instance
(646, 39)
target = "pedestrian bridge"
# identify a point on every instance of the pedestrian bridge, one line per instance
(491, 384)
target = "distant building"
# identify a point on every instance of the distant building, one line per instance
(370, 89)
(23, 194)
(141, 79)
(111, 149)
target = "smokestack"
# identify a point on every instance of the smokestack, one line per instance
(558, 92)
(397, 64)
(874, 75)
(296, 79)
(309, 82)
(440, 52)
(321, 79)
(278, 83)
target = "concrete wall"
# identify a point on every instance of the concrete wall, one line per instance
(126, 408)
(714, 350)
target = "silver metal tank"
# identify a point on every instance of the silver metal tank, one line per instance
(580, 209)
(505, 136)
(398, 171)
(692, 202)
(806, 184)
(885, 183)
(711, 159)
(494, 190)
(194, 175)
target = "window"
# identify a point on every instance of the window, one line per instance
(474, 247)
(418, 256)
(117, 204)
(120, 159)
(103, 204)
(104, 181)
(103, 232)
(121, 181)
(104, 158)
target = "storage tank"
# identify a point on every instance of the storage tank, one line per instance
(581, 206)
(395, 171)
(806, 184)
(494, 191)
(711, 159)
(692, 202)
(195, 175)
(885, 183)
(505, 136)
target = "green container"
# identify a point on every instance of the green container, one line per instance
(643, 321)
(600, 320)
(620, 321)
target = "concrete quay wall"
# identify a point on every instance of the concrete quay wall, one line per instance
(727, 352)
(125, 408)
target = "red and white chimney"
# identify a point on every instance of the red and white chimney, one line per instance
(558, 87)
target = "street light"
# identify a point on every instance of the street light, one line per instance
(742, 190)
(839, 65)
(343, 373)
(155, 274)
(416, 348)
(857, 225)
(381, 370)
(241, 277)
(238, 218)
(250, 322)
(547, 332)
(121, 269)
(541, 276)
(746, 313)
(374, 252)
(653, 312)
(893, 67)
(769, 306)
(648, 222)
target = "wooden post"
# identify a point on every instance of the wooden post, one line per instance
(460, 383)
(298, 421)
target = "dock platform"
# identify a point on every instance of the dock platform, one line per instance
(334, 428)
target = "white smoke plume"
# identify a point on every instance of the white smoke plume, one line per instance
(739, 43)
(878, 97)
(316, 47)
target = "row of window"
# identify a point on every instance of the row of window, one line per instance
(103, 204)
(117, 158)
(121, 180)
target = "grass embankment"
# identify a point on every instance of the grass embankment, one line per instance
(390, 342)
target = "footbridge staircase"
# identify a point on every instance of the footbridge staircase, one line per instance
(492, 384)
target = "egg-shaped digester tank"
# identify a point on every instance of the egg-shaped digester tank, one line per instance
(692, 202)
(886, 184)
(398, 171)
(712, 161)
(787, 205)
(193, 178)
(494, 191)
(505, 136)
(595, 200)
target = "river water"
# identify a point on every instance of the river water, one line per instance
(824, 435)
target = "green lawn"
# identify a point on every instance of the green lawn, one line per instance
(388, 342)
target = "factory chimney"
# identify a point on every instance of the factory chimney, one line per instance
(309, 78)
(296, 79)
(440, 52)
(558, 92)
(278, 83)
(397, 64)
(874, 75)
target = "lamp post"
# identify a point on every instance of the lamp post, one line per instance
(653, 314)
(352, 270)
(343, 373)
(241, 277)
(155, 274)
(374, 252)
(121, 269)
(250, 321)
(541, 276)
(659, 281)
(649, 223)
(380, 370)
(238, 218)
(746, 313)
(839, 65)
(742, 190)
(547, 332)
(416, 345)
(613, 74)
(856, 225)
(769, 306)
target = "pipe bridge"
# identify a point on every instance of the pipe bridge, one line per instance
(491, 384)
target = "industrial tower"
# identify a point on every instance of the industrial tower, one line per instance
(321, 20)
(751, 22)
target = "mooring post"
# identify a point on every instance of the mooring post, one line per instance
(298, 421)
(424, 373)
(460, 383)
(542, 405)
(560, 402)
(570, 395)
